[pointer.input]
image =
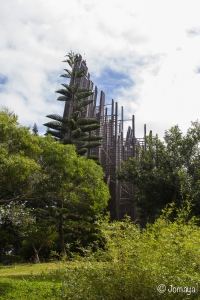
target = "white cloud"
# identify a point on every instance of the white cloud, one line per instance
(155, 43)
(193, 32)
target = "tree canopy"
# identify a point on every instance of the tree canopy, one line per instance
(165, 171)
(47, 178)
(18, 158)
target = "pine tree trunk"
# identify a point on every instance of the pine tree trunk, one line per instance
(61, 235)
(0, 254)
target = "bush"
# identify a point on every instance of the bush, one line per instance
(138, 262)
(133, 266)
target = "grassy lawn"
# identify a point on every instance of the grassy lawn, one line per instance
(27, 269)
(30, 281)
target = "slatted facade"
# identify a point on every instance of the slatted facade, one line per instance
(115, 147)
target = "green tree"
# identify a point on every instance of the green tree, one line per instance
(10, 238)
(20, 225)
(18, 152)
(49, 178)
(165, 171)
(75, 129)
(39, 234)
(72, 186)
(35, 129)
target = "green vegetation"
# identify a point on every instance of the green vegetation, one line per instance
(165, 171)
(131, 267)
(47, 193)
(29, 281)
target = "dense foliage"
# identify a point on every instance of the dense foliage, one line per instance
(45, 190)
(165, 171)
(18, 153)
(159, 262)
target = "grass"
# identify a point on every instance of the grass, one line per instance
(50, 281)
(60, 280)
(26, 269)
(29, 281)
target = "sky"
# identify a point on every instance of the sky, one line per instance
(143, 54)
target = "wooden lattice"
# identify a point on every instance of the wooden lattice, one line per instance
(114, 147)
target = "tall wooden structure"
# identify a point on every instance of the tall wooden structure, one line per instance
(115, 148)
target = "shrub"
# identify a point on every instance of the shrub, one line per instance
(134, 264)
(138, 261)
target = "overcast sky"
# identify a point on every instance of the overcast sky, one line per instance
(145, 54)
